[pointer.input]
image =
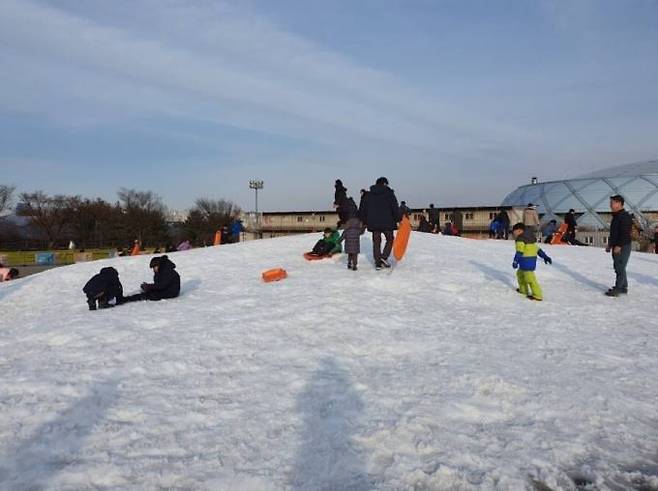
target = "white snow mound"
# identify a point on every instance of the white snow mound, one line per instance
(438, 375)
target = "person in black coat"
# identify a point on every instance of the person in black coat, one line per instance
(620, 244)
(434, 218)
(166, 282)
(425, 225)
(340, 192)
(346, 209)
(503, 218)
(404, 209)
(102, 288)
(380, 213)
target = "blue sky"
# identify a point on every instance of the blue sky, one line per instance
(456, 102)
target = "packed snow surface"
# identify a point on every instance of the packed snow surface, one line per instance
(438, 375)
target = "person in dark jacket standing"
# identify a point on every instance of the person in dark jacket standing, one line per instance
(424, 225)
(434, 219)
(166, 282)
(352, 237)
(346, 209)
(404, 209)
(503, 218)
(340, 192)
(570, 220)
(619, 244)
(102, 288)
(380, 213)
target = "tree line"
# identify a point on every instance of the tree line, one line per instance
(55, 220)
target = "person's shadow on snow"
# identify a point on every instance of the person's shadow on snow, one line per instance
(57, 443)
(493, 274)
(190, 286)
(328, 458)
(580, 278)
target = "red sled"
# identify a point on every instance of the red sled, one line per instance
(309, 256)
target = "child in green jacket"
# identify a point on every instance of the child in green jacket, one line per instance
(329, 244)
(525, 260)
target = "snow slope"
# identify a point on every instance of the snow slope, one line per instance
(436, 376)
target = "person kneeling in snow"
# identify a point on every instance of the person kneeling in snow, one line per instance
(329, 244)
(166, 282)
(525, 260)
(102, 288)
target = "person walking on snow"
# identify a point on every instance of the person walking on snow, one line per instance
(525, 260)
(340, 192)
(619, 244)
(404, 209)
(346, 209)
(236, 230)
(503, 218)
(352, 237)
(381, 213)
(434, 218)
(531, 220)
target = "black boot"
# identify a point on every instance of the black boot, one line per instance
(103, 303)
(92, 304)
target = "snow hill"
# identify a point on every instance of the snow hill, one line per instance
(435, 376)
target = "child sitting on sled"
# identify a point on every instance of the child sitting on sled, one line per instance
(525, 260)
(328, 245)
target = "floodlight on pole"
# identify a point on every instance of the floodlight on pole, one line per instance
(256, 185)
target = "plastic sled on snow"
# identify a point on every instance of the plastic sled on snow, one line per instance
(557, 236)
(276, 274)
(309, 256)
(402, 239)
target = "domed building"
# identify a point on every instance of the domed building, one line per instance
(589, 196)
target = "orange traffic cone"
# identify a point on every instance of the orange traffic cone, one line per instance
(218, 238)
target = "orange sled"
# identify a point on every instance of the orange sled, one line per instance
(557, 236)
(274, 275)
(402, 239)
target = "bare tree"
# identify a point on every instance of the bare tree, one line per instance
(6, 197)
(49, 214)
(207, 216)
(144, 215)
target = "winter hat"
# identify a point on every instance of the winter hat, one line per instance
(156, 261)
(339, 182)
(382, 181)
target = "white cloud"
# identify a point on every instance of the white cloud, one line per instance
(222, 66)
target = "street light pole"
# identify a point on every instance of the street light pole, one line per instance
(256, 185)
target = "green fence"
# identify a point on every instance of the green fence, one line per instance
(56, 257)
